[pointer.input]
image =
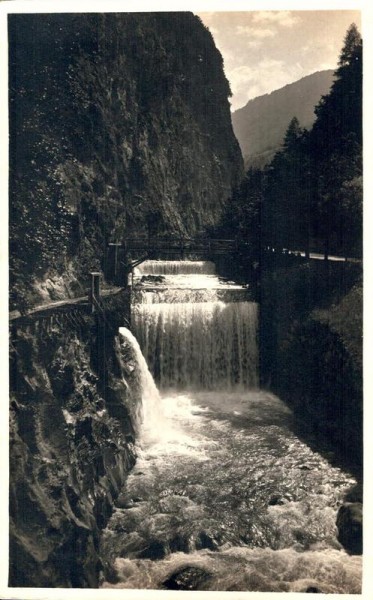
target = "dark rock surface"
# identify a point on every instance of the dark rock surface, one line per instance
(350, 527)
(311, 352)
(152, 279)
(120, 125)
(188, 578)
(71, 446)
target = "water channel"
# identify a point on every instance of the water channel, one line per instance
(224, 495)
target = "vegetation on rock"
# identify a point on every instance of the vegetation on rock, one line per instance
(72, 433)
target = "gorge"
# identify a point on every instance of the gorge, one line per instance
(223, 496)
(197, 426)
(140, 487)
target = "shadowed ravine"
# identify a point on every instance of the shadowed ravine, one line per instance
(223, 496)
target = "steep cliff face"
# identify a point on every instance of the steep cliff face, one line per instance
(120, 125)
(73, 418)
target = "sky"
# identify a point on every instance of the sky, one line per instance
(265, 50)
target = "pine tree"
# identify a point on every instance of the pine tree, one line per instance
(352, 42)
(286, 212)
(336, 149)
(293, 134)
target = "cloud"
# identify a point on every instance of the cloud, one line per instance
(257, 62)
(326, 66)
(253, 43)
(254, 32)
(267, 75)
(284, 18)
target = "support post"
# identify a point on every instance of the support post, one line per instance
(114, 260)
(95, 288)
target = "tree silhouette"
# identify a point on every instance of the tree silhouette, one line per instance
(336, 149)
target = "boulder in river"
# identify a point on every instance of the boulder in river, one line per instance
(187, 578)
(350, 526)
(152, 279)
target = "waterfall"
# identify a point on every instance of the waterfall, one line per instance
(203, 345)
(176, 267)
(149, 413)
(193, 331)
(172, 296)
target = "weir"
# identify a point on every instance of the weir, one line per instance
(176, 267)
(204, 345)
(193, 339)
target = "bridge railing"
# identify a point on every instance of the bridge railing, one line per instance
(197, 245)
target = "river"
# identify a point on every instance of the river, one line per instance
(224, 495)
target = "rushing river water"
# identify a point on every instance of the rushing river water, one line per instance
(224, 496)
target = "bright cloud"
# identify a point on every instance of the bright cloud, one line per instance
(267, 75)
(284, 17)
(266, 50)
(254, 32)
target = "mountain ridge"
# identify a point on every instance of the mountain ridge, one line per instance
(260, 125)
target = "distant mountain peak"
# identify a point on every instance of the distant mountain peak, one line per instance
(260, 125)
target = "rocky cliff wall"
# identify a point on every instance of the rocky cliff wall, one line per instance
(311, 351)
(74, 410)
(119, 125)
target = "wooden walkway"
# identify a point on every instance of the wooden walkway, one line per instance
(68, 305)
(154, 247)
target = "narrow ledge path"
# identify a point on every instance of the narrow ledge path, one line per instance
(40, 308)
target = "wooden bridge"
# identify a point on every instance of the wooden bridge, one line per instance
(124, 256)
(200, 246)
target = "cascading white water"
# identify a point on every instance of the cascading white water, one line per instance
(204, 345)
(224, 495)
(176, 267)
(190, 337)
(149, 413)
(172, 296)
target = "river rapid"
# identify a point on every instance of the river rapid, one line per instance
(224, 495)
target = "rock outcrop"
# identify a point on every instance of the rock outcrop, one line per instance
(119, 125)
(73, 415)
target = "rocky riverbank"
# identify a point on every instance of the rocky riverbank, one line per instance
(73, 407)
